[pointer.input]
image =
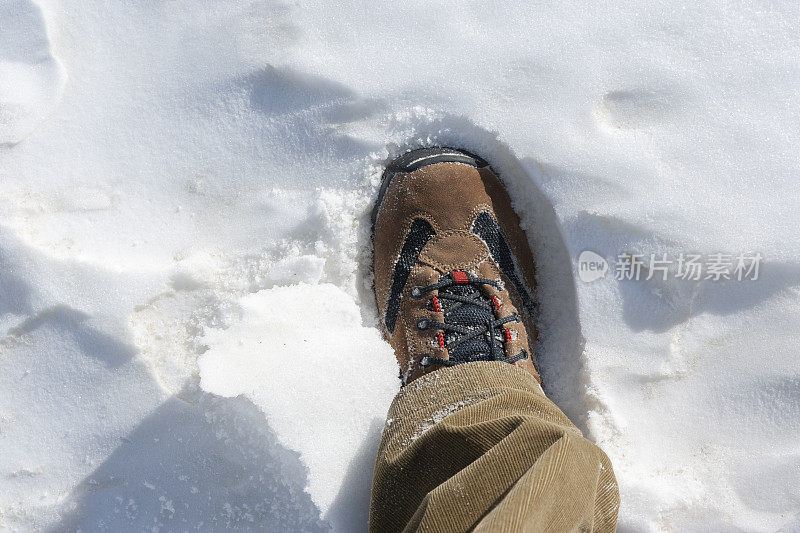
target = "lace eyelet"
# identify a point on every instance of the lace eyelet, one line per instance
(416, 292)
(422, 323)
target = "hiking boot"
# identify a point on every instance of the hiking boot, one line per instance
(453, 269)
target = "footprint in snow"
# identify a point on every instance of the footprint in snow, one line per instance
(31, 77)
(634, 109)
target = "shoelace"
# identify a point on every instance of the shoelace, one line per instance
(473, 331)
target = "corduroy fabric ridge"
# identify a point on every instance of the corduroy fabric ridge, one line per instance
(479, 447)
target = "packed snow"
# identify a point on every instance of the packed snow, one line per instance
(188, 337)
(290, 339)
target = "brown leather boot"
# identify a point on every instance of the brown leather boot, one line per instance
(453, 269)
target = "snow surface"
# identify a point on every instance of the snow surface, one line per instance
(187, 331)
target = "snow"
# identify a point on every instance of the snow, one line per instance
(308, 339)
(183, 185)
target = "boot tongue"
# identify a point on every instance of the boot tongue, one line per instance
(459, 251)
(454, 250)
(470, 316)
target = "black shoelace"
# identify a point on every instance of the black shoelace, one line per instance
(470, 331)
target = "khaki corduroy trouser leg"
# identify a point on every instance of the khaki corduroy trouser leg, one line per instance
(479, 447)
